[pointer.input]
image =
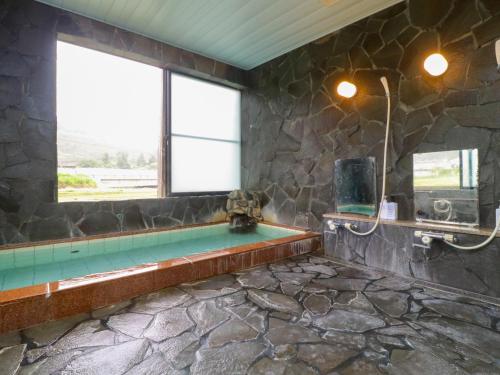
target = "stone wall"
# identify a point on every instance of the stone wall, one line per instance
(295, 126)
(77, 219)
(391, 248)
(28, 151)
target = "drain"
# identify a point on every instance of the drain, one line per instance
(74, 251)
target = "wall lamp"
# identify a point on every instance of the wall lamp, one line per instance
(347, 89)
(436, 64)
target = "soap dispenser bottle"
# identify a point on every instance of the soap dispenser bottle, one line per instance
(389, 210)
(497, 215)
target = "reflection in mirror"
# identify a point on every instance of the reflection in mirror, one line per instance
(445, 186)
(355, 186)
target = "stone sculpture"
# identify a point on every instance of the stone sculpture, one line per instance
(244, 211)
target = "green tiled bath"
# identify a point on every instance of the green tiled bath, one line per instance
(35, 265)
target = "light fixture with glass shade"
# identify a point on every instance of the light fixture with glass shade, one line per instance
(436, 64)
(347, 89)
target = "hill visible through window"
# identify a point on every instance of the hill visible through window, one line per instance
(109, 112)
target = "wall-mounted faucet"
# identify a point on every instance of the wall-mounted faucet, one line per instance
(427, 238)
(334, 226)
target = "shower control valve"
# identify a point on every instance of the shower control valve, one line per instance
(426, 240)
(428, 237)
(425, 243)
(334, 226)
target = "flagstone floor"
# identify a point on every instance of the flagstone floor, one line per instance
(305, 315)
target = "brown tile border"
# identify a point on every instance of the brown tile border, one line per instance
(24, 307)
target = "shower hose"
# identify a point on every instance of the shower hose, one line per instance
(349, 226)
(480, 245)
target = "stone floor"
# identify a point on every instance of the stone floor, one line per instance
(305, 315)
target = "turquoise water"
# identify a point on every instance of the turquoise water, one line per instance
(36, 265)
(363, 209)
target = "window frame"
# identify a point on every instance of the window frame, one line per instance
(109, 50)
(167, 156)
(164, 189)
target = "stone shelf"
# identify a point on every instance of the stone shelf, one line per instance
(413, 224)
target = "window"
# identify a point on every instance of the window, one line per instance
(204, 136)
(109, 112)
(468, 169)
(110, 126)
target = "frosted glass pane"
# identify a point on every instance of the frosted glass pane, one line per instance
(200, 165)
(203, 109)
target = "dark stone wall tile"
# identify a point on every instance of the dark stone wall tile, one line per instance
(28, 151)
(391, 248)
(99, 222)
(458, 110)
(428, 13)
(492, 6)
(459, 22)
(296, 150)
(487, 31)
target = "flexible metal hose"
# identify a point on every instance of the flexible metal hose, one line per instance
(480, 245)
(348, 226)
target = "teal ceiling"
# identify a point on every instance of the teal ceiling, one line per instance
(244, 33)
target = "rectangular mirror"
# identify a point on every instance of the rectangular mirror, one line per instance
(445, 186)
(356, 186)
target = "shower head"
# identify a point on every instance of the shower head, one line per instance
(383, 79)
(497, 52)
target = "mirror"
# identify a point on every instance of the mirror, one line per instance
(356, 186)
(445, 186)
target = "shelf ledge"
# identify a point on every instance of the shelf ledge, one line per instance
(413, 224)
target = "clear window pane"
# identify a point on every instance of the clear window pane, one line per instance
(199, 165)
(109, 112)
(203, 109)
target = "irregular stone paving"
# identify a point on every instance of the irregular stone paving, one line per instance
(304, 315)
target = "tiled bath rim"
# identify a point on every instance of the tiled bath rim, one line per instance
(29, 254)
(24, 307)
